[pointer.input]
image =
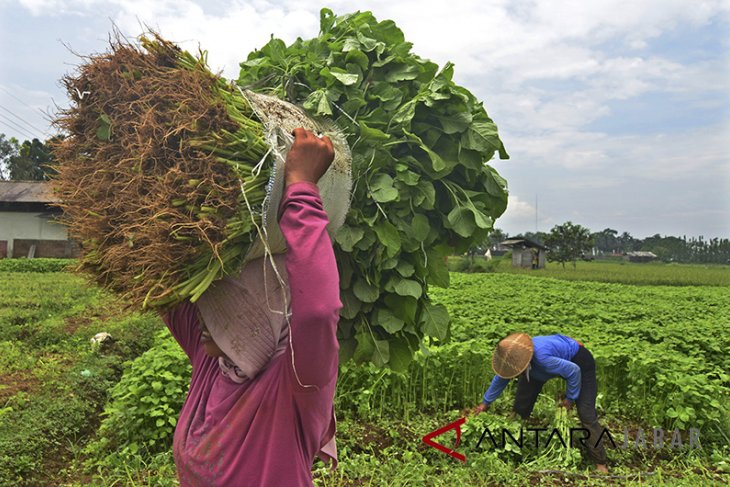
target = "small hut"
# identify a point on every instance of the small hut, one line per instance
(526, 253)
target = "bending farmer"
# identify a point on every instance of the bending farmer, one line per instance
(260, 404)
(535, 361)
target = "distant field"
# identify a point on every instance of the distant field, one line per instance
(622, 272)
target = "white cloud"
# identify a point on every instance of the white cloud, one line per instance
(228, 38)
(41, 7)
(695, 154)
(545, 70)
(56, 7)
(516, 208)
(519, 216)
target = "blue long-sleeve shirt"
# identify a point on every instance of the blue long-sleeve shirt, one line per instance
(551, 358)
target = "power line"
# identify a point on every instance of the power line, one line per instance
(32, 127)
(21, 101)
(18, 127)
(8, 126)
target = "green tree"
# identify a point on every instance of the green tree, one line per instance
(32, 162)
(606, 240)
(627, 243)
(496, 236)
(8, 148)
(568, 242)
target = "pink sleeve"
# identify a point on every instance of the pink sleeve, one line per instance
(314, 284)
(182, 320)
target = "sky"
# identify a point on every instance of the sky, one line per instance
(616, 114)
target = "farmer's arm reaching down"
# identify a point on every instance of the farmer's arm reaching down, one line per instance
(495, 389)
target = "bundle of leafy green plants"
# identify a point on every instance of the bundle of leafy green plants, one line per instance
(422, 186)
(164, 170)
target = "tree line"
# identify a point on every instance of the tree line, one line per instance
(570, 242)
(33, 160)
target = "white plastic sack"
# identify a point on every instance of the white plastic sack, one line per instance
(280, 118)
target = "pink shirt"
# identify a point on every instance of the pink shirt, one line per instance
(267, 431)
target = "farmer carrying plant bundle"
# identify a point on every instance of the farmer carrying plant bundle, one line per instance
(538, 359)
(260, 405)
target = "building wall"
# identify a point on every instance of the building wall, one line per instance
(523, 258)
(516, 258)
(28, 225)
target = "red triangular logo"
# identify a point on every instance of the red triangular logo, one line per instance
(456, 425)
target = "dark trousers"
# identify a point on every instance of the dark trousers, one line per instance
(527, 393)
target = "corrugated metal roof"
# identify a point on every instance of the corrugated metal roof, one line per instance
(27, 192)
(522, 241)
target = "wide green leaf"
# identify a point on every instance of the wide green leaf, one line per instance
(435, 320)
(389, 237)
(408, 287)
(382, 189)
(461, 220)
(399, 354)
(482, 136)
(389, 321)
(348, 236)
(345, 78)
(365, 291)
(318, 103)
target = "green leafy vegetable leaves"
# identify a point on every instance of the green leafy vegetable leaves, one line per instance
(423, 189)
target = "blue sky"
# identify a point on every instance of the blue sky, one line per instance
(616, 114)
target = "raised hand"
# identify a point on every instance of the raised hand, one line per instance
(309, 157)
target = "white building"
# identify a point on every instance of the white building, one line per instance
(27, 222)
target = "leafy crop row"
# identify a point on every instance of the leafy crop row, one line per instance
(660, 355)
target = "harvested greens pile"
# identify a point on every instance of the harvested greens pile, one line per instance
(422, 189)
(158, 172)
(162, 216)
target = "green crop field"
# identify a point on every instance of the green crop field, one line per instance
(661, 354)
(635, 273)
(610, 271)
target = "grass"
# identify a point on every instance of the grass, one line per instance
(51, 381)
(644, 274)
(658, 349)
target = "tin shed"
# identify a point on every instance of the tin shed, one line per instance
(526, 253)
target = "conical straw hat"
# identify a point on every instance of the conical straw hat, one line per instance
(512, 355)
